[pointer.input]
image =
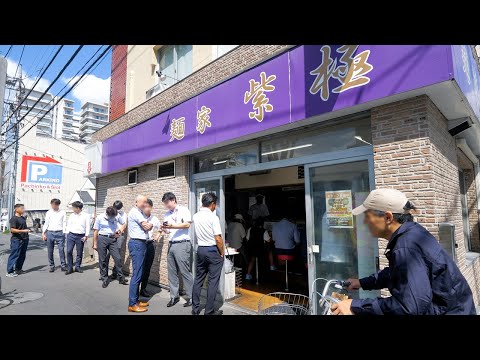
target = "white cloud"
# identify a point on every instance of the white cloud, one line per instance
(28, 81)
(91, 88)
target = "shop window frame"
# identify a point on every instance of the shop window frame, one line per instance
(136, 177)
(166, 163)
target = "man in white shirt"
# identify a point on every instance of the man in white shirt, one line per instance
(78, 229)
(54, 233)
(138, 228)
(121, 239)
(259, 209)
(106, 231)
(210, 253)
(150, 253)
(176, 223)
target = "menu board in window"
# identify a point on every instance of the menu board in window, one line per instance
(339, 209)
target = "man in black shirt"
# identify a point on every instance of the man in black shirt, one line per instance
(18, 243)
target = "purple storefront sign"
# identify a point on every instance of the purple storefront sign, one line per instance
(466, 74)
(303, 82)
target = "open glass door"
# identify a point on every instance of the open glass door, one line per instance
(339, 244)
(216, 186)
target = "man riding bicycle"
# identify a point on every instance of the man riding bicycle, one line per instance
(421, 277)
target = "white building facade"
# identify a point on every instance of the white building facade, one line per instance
(93, 117)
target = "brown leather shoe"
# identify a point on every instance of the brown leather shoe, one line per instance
(143, 304)
(137, 308)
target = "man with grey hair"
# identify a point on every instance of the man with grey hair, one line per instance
(138, 228)
(421, 277)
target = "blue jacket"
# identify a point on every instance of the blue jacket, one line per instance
(422, 279)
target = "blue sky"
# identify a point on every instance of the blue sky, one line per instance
(95, 87)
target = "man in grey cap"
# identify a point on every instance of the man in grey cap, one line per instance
(421, 277)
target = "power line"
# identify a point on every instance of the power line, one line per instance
(19, 61)
(37, 70)
(50, 154)
(45, 92)
(8, 51)
(69, 81)
(35, 84)
(60, 141)
(65, 94)
(44, 133)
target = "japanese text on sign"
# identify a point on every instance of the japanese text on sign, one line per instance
(260, 101)
(349, 70)
(203, 119)
(177, 129)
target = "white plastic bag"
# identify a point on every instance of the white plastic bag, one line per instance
(228, 266)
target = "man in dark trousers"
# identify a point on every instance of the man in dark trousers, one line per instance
(421, 277)
(210, 254)
(121, 239)
(150, 251)
(106, 232)
(18, 242)
(138, 228)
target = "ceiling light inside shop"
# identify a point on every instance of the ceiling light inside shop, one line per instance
(287, 149)
(220, 162)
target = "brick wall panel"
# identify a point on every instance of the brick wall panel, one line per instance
(118, 81)
(414, 153)
(114, 187)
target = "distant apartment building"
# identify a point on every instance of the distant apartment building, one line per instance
(93, 117)
(65, 122)
(62, 122)
(34, 107)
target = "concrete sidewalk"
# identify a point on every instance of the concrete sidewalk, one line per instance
(38, 292)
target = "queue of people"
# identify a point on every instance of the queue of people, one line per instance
(421, 276)
(144, 228)
(254, 242)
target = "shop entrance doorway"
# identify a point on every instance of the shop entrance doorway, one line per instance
(266, 198)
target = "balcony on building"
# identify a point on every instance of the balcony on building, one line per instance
(68, 104)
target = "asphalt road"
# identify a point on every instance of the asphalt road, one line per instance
(39, 292)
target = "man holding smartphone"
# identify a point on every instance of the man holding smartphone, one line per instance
(150, 253)
(176, 223)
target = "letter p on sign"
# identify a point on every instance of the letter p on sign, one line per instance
(38, 170)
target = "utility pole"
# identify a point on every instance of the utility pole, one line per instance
(13, 171)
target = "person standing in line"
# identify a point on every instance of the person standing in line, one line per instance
(236, 237)
(259, 209)
(18, 242)
(285, 236)
(256, 238)
(54, 233)
(78, 229)
(150, 253)
(138, 228)
(106, 232)
(176, 223)
(210, 254)
(120, 240)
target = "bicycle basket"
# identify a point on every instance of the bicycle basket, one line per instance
(280, 303)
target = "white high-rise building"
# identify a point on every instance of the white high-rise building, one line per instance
(46, 126)
(62, 122)
(93, 117)
(65, 122)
